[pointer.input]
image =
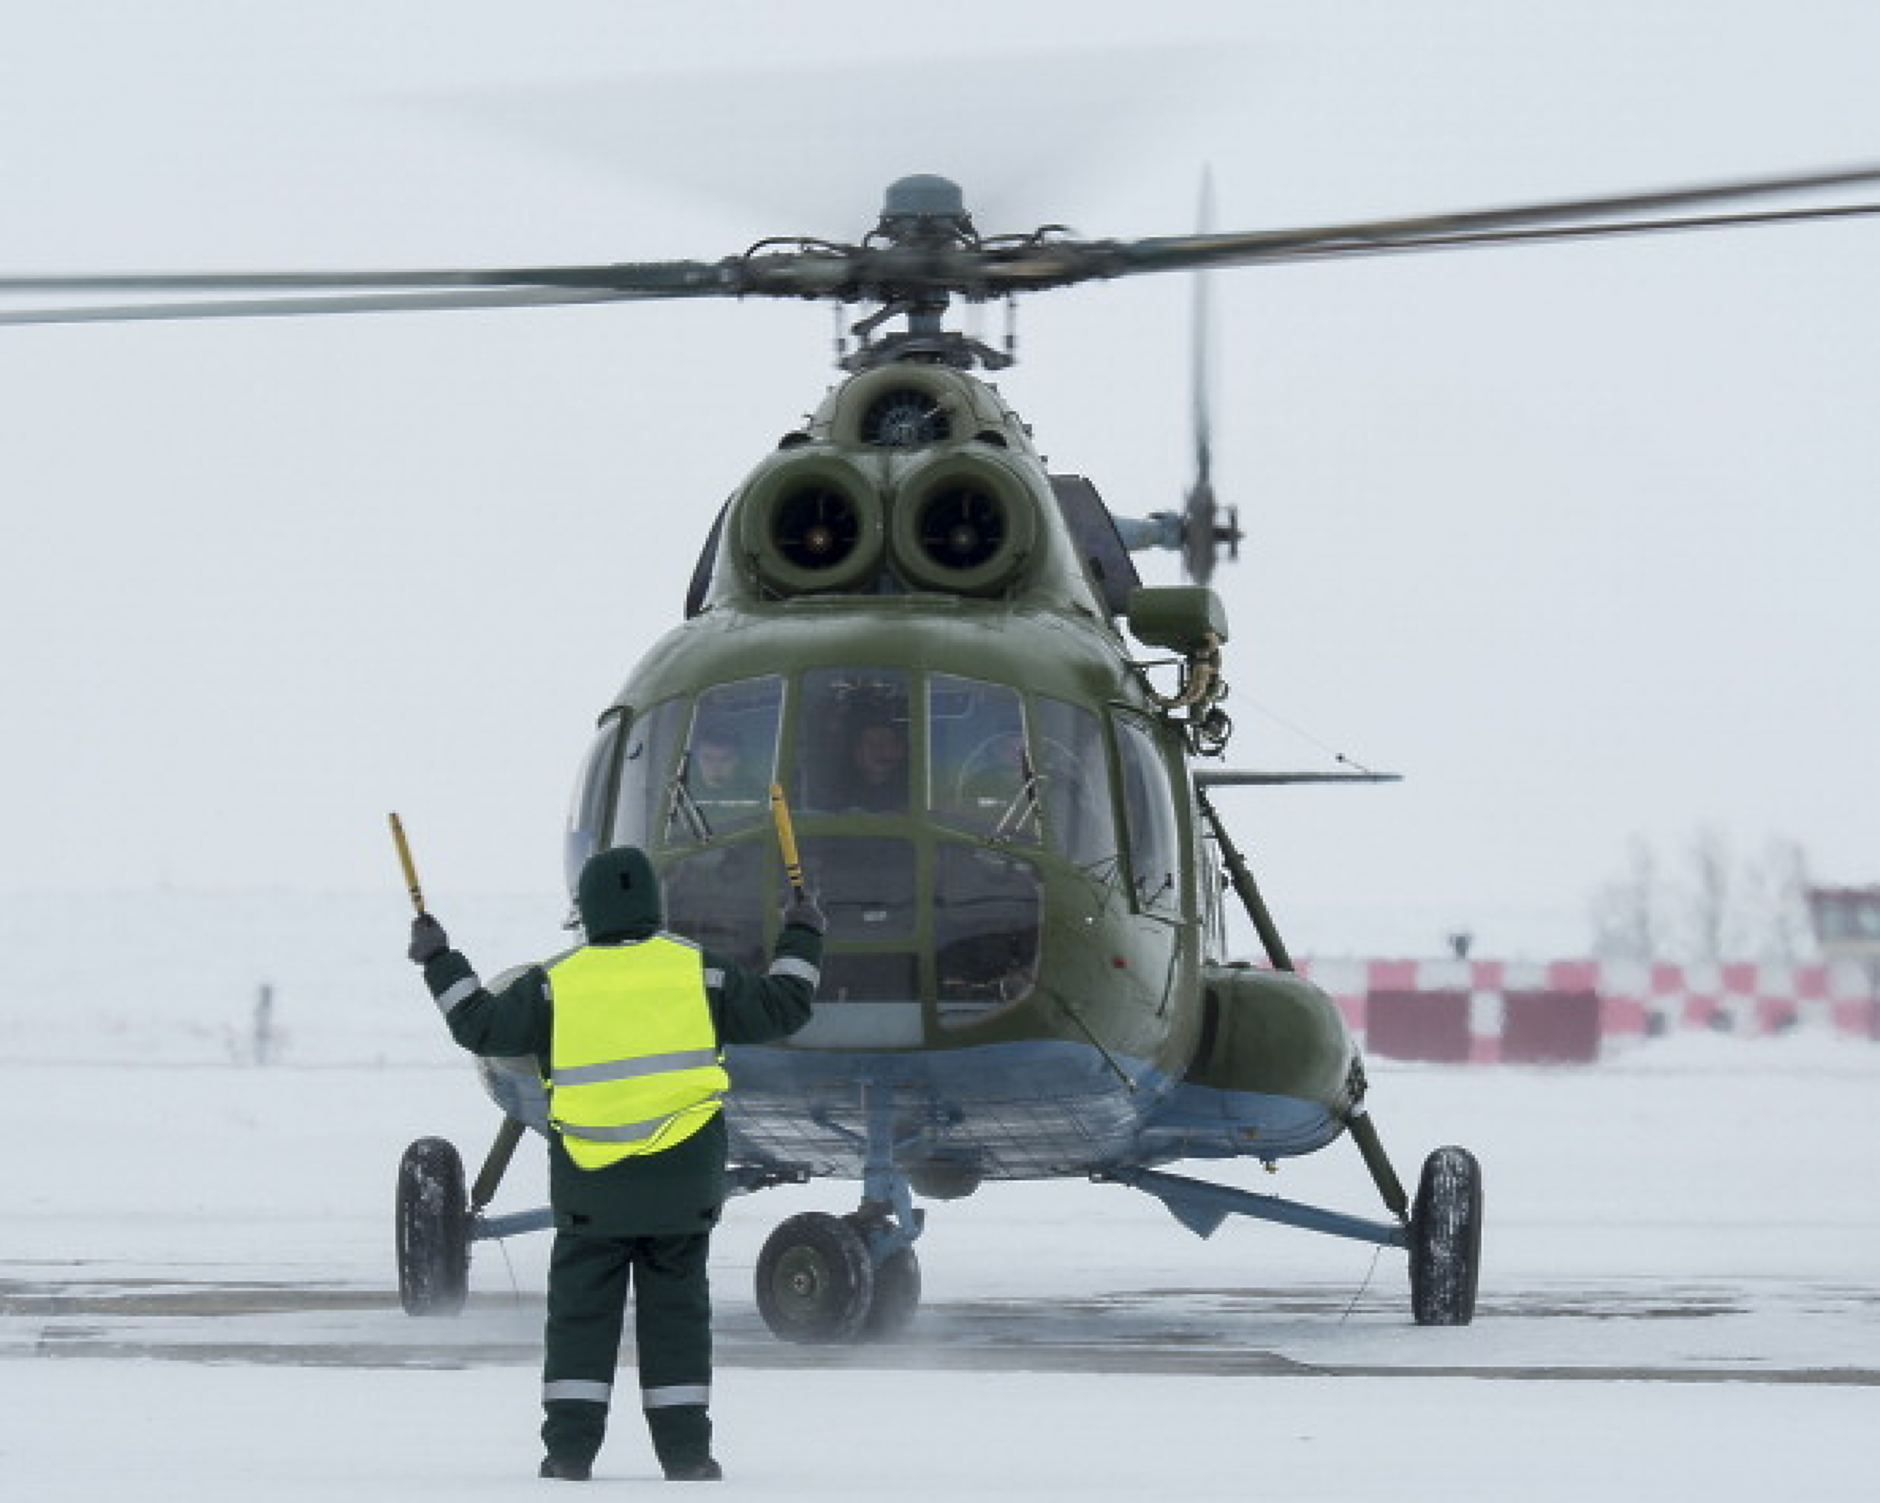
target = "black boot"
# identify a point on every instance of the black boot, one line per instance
(707, 1470)
(565, 1471)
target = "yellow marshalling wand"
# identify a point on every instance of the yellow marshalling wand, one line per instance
(404, 860)
(786, 840)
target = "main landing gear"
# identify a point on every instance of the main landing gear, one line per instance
(827, 1280)
(1446, 1239)
(439, 1218)
(1442, 1232)
(433, 1229)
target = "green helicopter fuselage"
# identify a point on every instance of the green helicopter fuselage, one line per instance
(904, 623)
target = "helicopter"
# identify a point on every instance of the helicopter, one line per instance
(1000, 749)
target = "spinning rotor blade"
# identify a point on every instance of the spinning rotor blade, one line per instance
(1541, 221)
(360, 292)
(908, 265)
(289, 307)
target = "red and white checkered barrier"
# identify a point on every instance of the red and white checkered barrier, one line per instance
(1569, 1010)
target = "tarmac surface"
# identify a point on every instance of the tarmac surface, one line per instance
(1704, 1333)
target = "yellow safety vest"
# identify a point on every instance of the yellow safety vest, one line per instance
(634, 1065)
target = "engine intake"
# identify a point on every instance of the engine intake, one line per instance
(963, 524)
(812, 524)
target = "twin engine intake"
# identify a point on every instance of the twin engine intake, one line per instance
(907, 479)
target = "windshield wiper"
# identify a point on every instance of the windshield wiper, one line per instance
(1026, 797)
(681, 803)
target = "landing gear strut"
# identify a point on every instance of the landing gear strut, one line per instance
(831, 1279)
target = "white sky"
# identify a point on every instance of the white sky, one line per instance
(1580, 539)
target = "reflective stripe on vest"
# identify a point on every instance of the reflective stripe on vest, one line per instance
(634, 1065)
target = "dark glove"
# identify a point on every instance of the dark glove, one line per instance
(427, 939)
(804, 913)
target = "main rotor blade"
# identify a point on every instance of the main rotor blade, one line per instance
(1559, 233)
(1187, 252)
(289, 307)
(901, 275)
(811, 271)
(671, 278)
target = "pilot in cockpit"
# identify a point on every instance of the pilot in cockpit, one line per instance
(877, 768)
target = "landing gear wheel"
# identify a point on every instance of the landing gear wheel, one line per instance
(433, 1229)
(815, 1284)
(1446, 1239)
(897, 1296)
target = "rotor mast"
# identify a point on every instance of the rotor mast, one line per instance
(922, 214)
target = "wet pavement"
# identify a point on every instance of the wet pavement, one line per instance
(1761, 1332)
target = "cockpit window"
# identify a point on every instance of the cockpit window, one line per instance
(1149, 809)
(854, 742)
(986, 931)
(588, 808)
(981, 774)
(729, 760)
(646, 775)
(717, 895)
(870, 891)
(1074, 783)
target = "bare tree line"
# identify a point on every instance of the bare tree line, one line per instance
(1704, 903)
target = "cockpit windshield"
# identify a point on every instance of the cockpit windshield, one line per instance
(853, 741)
(927, 807)
(730, 758)
(983, 777)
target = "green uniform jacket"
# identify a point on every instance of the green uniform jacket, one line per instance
(661, 1194)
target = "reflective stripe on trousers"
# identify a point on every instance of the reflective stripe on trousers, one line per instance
(581, 1390)
(672, 1398)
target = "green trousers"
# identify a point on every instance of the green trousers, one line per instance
(588, 1282)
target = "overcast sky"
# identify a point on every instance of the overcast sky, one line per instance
(1581, 540)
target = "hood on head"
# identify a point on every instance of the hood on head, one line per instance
(618, 895)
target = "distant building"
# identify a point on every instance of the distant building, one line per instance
(1846, 922)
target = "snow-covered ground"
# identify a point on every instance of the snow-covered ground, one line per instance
(1681, 1293)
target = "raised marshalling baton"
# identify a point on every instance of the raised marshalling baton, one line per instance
(404, 860)
(786, 841)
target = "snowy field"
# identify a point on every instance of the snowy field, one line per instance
(1680, 1299)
